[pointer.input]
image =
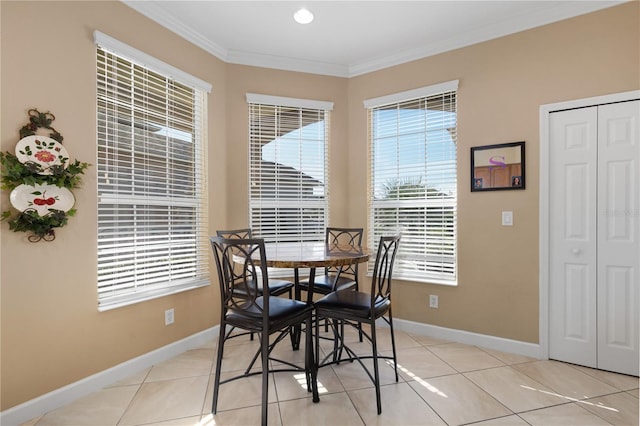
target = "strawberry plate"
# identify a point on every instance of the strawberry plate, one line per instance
(41, 198)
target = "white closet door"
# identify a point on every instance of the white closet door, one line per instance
(618, 237)
(573, 238)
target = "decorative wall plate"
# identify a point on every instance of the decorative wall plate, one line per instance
(41, 198)
(43, 151)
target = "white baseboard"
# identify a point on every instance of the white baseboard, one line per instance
(490, 342)
(38, 406)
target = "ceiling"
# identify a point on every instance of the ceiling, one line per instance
(349, 38)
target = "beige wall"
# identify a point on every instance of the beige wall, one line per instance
(502, 85)
(52, 334)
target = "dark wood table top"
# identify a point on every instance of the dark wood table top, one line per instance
(314, 255)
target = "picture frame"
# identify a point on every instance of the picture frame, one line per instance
(498, 167)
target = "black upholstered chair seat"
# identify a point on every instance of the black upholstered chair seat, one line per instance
(281, 313)
(351, 305)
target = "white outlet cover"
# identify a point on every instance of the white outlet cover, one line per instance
(168, 317)
(433, 301)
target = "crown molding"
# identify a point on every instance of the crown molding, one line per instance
(563, 10)
(287, 64)
(493, 31)
(157, 14)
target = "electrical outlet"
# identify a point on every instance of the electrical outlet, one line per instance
(433, 301)
(168, 317)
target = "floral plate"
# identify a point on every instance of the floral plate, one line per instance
(41, 198)
(44, 152)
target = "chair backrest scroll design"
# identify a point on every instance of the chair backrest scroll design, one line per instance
(344, 236)
(350, 236)
(241, 265)
(383, 269)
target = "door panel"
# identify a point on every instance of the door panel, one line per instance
(618, 196)
(619, 309)
(572, 225)
(618, 237)
(577, 199)
(577, 304)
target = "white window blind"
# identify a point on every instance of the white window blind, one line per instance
(413, 181)
(152, 204)
(288, 177)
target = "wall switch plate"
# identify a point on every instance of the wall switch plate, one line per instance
(433, 301)
(507, 218)
(168, 317)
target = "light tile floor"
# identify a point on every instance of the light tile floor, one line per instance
(441, 383)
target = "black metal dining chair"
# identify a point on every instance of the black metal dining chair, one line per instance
(337, 278)
(356, 307)
(241, 265)
(277, 287)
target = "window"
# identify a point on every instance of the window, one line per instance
(288, 185)
(152, 206)
(412, 139)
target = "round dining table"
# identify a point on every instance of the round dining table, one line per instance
(312, 255)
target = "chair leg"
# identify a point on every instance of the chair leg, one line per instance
(338, 339)
(264, 343)
(292, 336)
(226, 336)
(316, 325)
(359, 324)
(255, 358)
(337, 356)
(393, 343)
(376, 371)
(216, 382)
(311, 367)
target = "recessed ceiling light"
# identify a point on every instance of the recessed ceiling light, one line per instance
(303, 16)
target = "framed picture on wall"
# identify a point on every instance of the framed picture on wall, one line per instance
(498, 167)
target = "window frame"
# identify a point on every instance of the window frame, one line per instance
(185, 258)
(307, 109)
(419, 239)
